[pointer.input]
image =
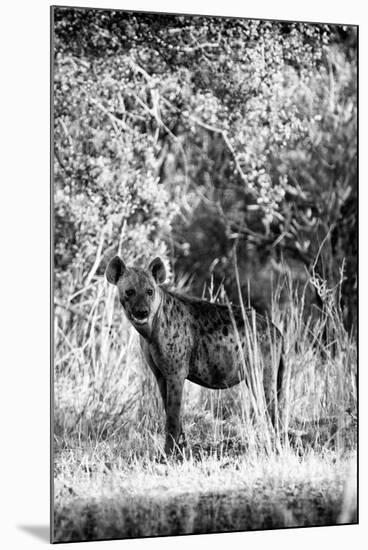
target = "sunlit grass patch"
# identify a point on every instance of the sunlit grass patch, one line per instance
(99, 495)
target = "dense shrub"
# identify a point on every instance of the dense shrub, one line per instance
(186, 136)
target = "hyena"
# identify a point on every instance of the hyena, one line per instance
(185, 338)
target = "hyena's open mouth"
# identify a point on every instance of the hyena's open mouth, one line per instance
(139, 322)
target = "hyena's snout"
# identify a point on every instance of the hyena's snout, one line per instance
(141, 314)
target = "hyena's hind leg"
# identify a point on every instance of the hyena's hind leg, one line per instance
(273, 387)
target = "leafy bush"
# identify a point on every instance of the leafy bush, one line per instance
(247, 126)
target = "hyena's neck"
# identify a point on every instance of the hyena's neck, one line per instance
(169, 317)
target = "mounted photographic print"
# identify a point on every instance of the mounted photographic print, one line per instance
(204, 184)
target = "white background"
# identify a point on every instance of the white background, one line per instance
(25, 322)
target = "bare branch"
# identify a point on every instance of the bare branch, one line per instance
(155, 113)
(115, 121)
(66, 132)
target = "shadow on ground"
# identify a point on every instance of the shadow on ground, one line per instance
(41, 532)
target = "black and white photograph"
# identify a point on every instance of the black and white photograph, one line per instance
(204, 211)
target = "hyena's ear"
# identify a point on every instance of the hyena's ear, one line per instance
(115, 270)
(157, 268)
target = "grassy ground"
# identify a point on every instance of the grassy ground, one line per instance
(110, 480)
(102, 494)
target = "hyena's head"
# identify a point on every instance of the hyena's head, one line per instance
(138, 289)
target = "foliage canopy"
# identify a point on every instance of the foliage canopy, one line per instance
(187, 136)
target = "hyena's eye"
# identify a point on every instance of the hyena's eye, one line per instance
(130, 292)
(149, 291)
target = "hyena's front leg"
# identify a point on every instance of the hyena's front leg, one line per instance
(162, 386)
(161, 382)
(174, 394)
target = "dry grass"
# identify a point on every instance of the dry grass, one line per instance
(109, 482)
